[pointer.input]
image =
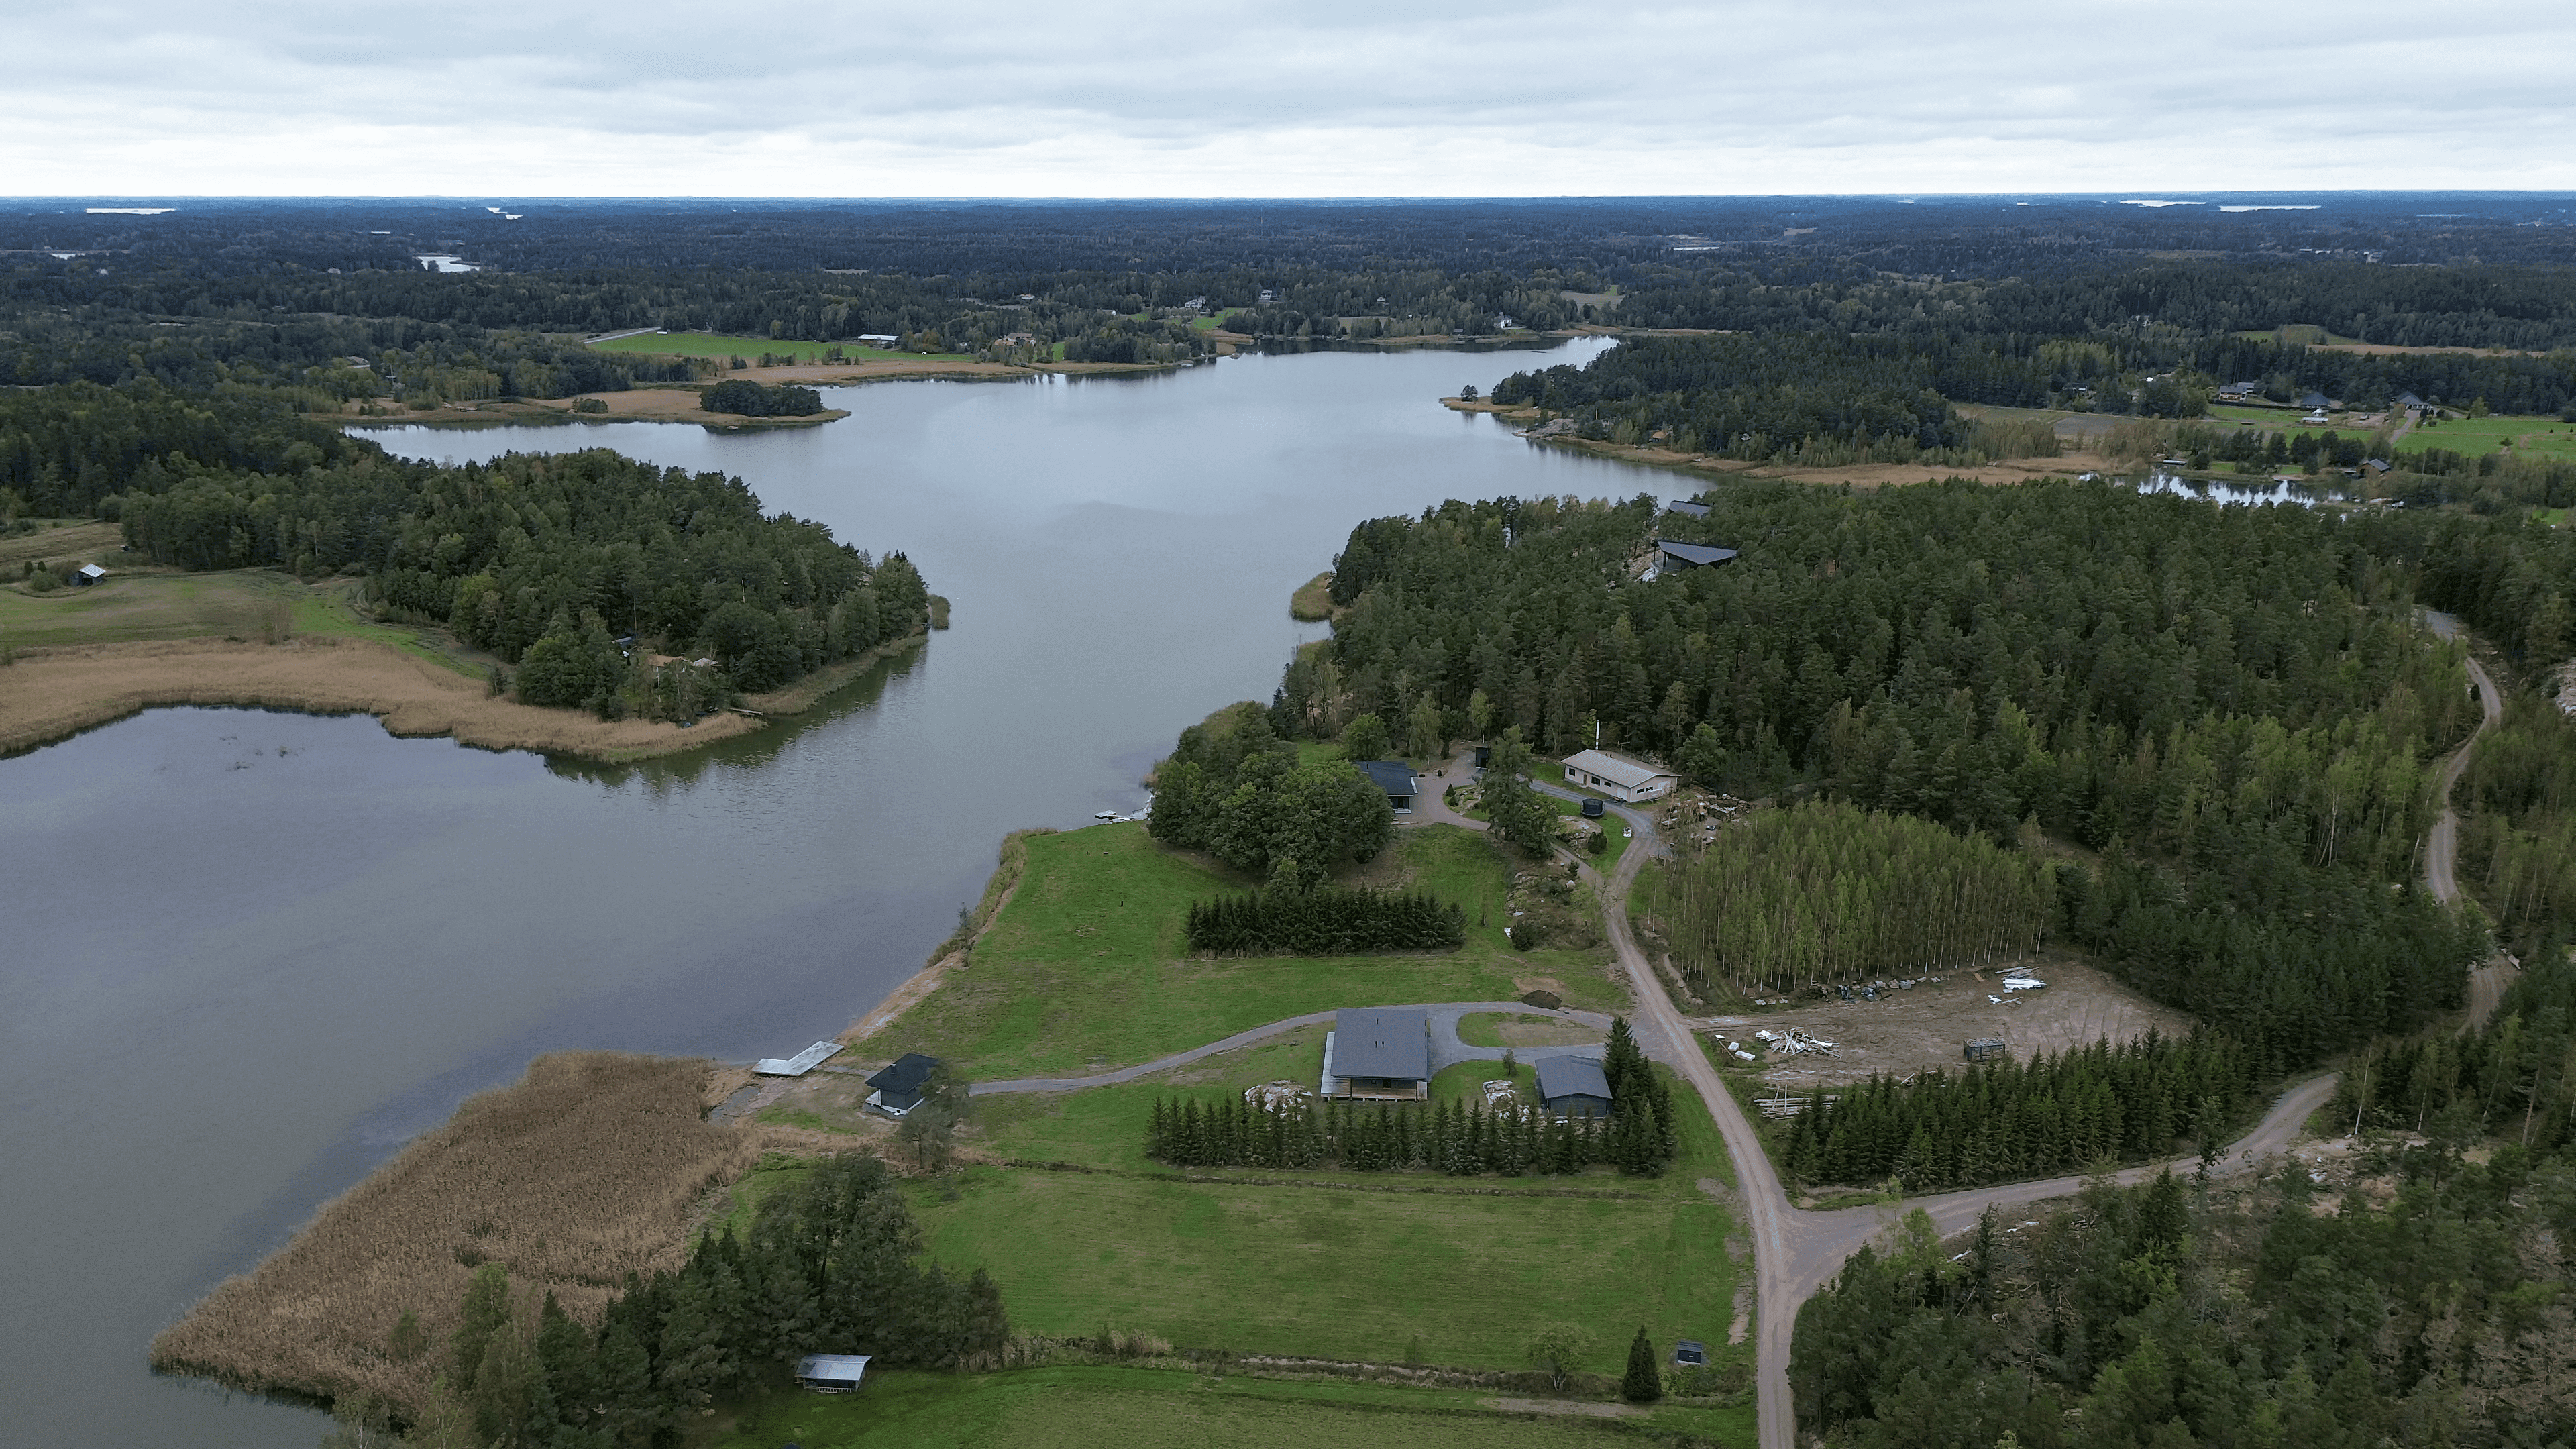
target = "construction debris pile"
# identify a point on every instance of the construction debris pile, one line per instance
(1271, 1096)
(1793, 1043)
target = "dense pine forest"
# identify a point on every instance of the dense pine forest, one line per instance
(2059, 1113)
(1826, 892)
(2423, 1303)
(2228, 708)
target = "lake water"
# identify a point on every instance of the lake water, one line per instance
(244, 955)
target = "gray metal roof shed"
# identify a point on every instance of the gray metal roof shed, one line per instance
(832, 1373)
(1561, 1077)
(1693, 554)
(1382, 1044)
(1686, 506)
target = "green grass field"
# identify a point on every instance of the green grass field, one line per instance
(235, 604)
(1153, 1408)
(1085, 968)
(2530, 437)
(1211, 324)
(1337, 1265)
(710, 344)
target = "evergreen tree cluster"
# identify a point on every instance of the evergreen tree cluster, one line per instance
(64, 450)
(753, 400)
(2518, 840)
(830, 1265)
(535, 557)
(1463, 1139)
(1826, 891)
(2270, 1314)
(1234, 789)
(1994, 1123)
(1325, 921)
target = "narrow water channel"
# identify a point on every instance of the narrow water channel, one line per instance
(244, 956)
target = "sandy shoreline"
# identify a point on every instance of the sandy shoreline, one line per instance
(51, 694)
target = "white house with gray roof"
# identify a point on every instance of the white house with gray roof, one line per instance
(1618, 778)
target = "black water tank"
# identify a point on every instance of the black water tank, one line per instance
(1591, 809)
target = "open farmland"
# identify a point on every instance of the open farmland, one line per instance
(2529, 437)
(712, 344)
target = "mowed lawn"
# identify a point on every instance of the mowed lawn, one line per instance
(2530, 437)
(1087, 969)
(1144, 1408)
(713, 344)
(1421, 1264)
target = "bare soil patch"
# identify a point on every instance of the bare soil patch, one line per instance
(592, 1166)
(1908, 1031)
(1489, 1027)
(52, 693)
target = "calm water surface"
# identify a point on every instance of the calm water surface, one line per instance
(244, 955)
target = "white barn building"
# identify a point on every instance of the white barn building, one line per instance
(1617, 778)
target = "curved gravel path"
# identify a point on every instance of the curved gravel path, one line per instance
(1446, 1049)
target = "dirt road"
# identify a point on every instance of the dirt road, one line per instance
(2442, 845)
(1794, 1252)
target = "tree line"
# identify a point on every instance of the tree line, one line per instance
(753, 400)
(2272, 1312)
(1325, 921)
(1462, 1139)
(2060, 1112)
(830, 1264)
(1826, 891)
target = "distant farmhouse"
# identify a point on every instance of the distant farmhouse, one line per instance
(1621, 779)
(1378, 1054)
(1397, 779)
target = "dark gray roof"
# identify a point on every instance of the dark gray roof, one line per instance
(2409, 400)
(906, 1075)
(1571, 1077)
(1393, 776)
(1391, 1044)
(1693, 553)
(2313, 400)
(1684, 505)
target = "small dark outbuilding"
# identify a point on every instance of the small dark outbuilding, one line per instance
(88, 574)
(1686, 508)
(1690, 1353)
(898, 1087)
(1573, 1086)
(1669, 554)
(832, 1373)
(1992, 1049)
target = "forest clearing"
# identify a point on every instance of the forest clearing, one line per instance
(1907, 1031)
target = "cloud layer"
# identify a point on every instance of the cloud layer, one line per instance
(1330, 98)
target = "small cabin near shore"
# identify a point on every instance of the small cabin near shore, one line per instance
(898, 1087)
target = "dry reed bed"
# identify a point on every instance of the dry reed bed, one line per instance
(51, 693)
(592, 1166)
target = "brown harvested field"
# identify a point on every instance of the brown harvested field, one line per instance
(1907, 1031)
(51, 693)
(593, 1165)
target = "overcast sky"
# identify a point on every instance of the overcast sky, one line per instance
(1320, 98)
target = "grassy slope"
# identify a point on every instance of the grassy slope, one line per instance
(709, 344)
(233, 604)
(2531, 437)
(1085, 968)
(1146, 1408)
